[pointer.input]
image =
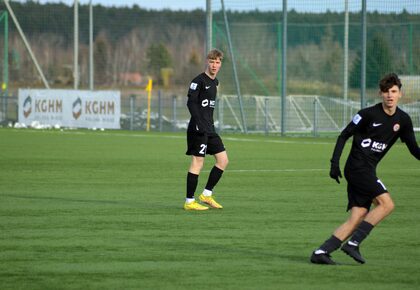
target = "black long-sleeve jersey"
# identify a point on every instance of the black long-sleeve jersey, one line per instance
(201, 102)
(374, 132)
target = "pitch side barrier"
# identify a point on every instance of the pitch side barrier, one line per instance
(70, 108)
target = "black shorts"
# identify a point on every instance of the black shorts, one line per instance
(362, 187)
(201, 144)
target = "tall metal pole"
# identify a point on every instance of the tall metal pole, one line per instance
(346, 59)
(91, 64)
(209, 27)
(76, 45)
(284, 70)
(235, 73)
(279, 56)
(410, 49)
(363, 66)
(5, 85)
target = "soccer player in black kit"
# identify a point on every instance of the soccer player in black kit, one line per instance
(374, 130)
(202, 138)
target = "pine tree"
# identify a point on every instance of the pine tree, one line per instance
(378, 63)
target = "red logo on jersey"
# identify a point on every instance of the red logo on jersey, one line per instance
(396, 127)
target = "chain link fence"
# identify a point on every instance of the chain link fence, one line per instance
(131, 44)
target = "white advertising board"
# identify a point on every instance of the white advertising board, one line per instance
(70, 108)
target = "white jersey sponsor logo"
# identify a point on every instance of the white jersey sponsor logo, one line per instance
(205, 103)
(378, 146)
(366, 142)
(374, 145)
(376, 124)
(356, 119)
(193, 86)
(207, 87)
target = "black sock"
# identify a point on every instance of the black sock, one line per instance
(361, 232)
(192, 181)
(214, 177)
(330, 245)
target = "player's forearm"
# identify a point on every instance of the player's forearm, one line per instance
(341, 142)
(413, 147)
(338, 150)
(195, 113)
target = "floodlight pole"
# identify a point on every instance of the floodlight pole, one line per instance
(76, 45)
(91, 63)
(363, 66)
(346, 59)
(284, 70)
(209, 30)
(5, 84)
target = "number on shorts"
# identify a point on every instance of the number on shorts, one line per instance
(380, 182)
(203, 149)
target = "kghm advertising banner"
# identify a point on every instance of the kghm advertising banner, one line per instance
(70, 108)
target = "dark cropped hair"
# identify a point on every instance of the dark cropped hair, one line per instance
(389, 81)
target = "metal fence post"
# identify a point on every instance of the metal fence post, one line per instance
(132, 111)
(221, 113)
(173, 113)
(266, 116)
(160, 109)
(315, 129)
(3, 112)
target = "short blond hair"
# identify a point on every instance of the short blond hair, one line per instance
(215, 54)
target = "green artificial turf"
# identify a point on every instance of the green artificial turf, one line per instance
(103, 210)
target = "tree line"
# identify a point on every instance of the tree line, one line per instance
(129, 40)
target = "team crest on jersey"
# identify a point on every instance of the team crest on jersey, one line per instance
(396, 127)
(193, 86)
(356, 119)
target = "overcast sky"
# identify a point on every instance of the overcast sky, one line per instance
(173, 4)
(147, 4)
(262, 5)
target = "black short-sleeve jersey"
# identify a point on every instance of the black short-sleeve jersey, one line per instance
(374, 132)
(201, 103)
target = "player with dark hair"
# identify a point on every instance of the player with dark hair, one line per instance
(374, 130)
(202, 138)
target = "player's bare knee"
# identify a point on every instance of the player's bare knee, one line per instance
(196, 164)
(225, 163)
(222, 163)
(389, 206)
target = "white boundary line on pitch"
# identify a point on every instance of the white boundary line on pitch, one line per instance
(273, 170)
(298, 170)
(156, 135)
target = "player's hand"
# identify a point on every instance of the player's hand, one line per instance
(335, 172)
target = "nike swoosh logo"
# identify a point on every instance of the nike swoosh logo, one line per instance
(376, 124)
(207, 87)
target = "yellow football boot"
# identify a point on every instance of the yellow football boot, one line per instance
(210, 201)
(194, 206)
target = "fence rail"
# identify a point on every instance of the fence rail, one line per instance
(118, 47)
(309, 115)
